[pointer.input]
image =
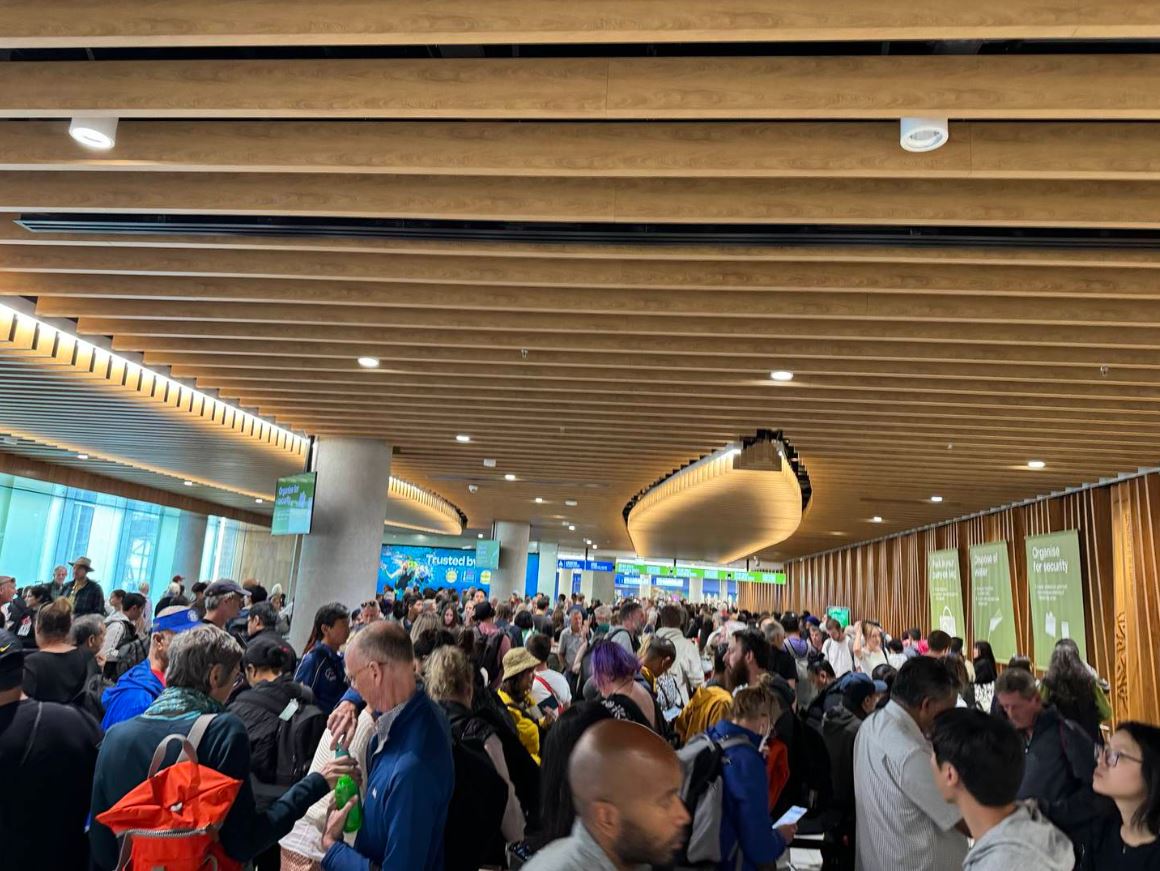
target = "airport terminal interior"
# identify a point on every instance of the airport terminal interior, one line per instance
(604, 435)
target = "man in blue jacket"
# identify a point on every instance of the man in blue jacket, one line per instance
(745, 827)
(136, 689)
(410, 772)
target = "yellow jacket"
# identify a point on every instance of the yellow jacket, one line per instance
(708, 706)
(528, 731)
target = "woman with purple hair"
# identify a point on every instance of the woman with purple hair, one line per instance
(616, 679)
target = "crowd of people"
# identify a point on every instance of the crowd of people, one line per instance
(546, 735)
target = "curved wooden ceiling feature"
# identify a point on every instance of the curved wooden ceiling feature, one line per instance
(411, 507)
(733, 503)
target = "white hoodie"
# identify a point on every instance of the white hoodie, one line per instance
(687, 668)
(1025, 840)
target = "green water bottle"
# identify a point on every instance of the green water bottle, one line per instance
(347, 790)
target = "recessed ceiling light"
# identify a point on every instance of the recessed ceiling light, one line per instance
(1036, 464)
(781, 375)
(463, 439)
(539, 500)
(936, 498)
(187, 483)
(571, 528)
(565, 523)
(260, 501)
(480, 535)
(369, 362)
(875, 519)
(489, 463)
(509, 477)
(82, 456)
(923, 134)
(588, 541)
(571, 503)
(99, 133)
(596, 547)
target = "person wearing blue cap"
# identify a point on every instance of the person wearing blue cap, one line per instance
(840, 724)
(139, 686)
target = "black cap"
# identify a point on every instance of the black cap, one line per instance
(223, 587)
(269, 652)
(11, 660)
(484, 611)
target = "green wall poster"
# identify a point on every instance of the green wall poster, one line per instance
(946, 592)
(1055, 585)
(992, 608)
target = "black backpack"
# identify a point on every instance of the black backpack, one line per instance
(88, 697)
(297, 739)
(131, 651)
(478, 801)
(490, 660)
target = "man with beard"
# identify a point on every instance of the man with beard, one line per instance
(747, 658)
(618, 824)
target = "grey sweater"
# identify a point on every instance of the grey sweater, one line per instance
(1024, 840)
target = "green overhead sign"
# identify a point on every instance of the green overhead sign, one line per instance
(637, 569)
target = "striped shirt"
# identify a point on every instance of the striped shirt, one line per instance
(903, 821)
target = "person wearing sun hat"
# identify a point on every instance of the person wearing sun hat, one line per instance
(83, 593)
(519, 669)
(139, 686)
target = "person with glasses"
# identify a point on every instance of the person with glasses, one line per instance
(1128, 773)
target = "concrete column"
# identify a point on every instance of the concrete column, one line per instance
(696, 590)
(190, 544)
(339, 560)
(546, 582)
(513, 558)
(601, 585)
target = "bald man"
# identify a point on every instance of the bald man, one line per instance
(626, 785)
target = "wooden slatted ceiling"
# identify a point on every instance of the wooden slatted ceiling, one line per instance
(67, 23)
(919, 371)
(1039, 87)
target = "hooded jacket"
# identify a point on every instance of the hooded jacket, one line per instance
(686, 669)
(131, 695)
(1023, 840)
(839, 729)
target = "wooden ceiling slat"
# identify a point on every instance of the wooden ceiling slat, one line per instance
(845, 201)
(689, 311)
(66, 23)
(1108, 86)
(503, 350)
(1050, 150)
(393, 280)
(721, 334)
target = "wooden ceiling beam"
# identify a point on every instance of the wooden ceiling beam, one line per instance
(689, 312)
(272, 369)
(597, 332)
(504, 350)
(1051, 150)
(843, 201)
(388, 280)
(1041, 87)
(138, 23)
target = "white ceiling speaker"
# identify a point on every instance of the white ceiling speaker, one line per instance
(924, 134)
(94, 132)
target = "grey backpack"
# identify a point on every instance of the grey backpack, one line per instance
(703, 762)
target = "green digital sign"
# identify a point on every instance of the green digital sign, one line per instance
(294, 504)
(487, 554)
(638, 569)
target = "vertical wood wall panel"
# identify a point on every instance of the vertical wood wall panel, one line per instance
(1119, 536)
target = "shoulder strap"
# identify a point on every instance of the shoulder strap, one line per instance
(540, 680)
(32, 735)
(198, 731)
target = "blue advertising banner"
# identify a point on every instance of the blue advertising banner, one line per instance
(401, 564)
(585, 565)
